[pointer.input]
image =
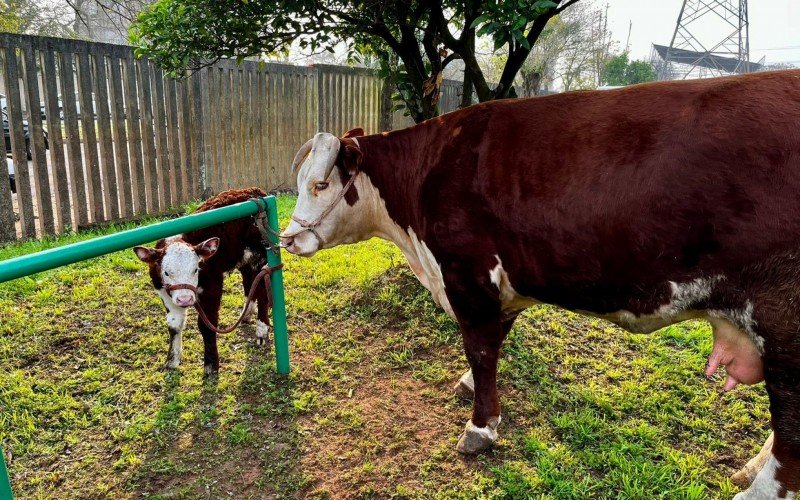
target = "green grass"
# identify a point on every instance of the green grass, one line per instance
(588, 410)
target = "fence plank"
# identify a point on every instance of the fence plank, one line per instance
(8, 230)
(160, 117)
(132, 118)
(39, 174)
(216, 90)
(120, 137)
(75, 170)
(18, 152)
(196, 131)
(94, 182)
(148, 140)
(59, 167)
(186, 140)
(176, 169)
(108, 168)
(206, 124)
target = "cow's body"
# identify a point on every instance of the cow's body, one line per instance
(239, 247)
(646, 206)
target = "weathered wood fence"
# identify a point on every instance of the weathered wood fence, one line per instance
(110, 137)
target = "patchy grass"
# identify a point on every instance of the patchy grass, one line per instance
(588, 410)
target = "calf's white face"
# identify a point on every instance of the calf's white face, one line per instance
(319, 185)
(178, 263)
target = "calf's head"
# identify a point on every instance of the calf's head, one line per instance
(324, 215)
(173, 263)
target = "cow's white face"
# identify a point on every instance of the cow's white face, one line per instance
(179, 264)
(319, 185)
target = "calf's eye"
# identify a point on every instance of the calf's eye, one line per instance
(166, 274)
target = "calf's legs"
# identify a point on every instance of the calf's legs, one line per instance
(176, 322)
(262, 330)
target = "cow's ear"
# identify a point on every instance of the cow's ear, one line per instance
(351, 155)
(148, 255)
(207, 248)
(354, 132)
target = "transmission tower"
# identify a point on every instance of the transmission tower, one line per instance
(710, 39)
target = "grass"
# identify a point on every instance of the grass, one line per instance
(589, 411)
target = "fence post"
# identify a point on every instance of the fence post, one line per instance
(5, 483)
(280, 330)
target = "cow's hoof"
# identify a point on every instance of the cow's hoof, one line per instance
(465, 387)
(262, 333)
(210, 371)
(476, 439)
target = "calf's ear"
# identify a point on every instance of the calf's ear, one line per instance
(146, 254)
(207, 248)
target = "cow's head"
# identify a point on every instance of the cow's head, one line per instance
(175, 262)
(325, 216)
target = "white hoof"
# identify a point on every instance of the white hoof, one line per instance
(262, 333)
(465, 387)
(476, 439)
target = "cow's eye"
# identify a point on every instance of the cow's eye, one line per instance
(195, 271)
(320, 186)
(166, 274)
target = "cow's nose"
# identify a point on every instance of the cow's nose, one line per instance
(287, 242)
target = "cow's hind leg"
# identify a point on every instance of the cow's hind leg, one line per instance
(777, 322)
(176, 322)
(259, 302)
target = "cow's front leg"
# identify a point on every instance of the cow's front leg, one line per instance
(465, 387)
(176, 322)
(482, 346)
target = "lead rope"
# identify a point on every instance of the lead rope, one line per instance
(260, 221)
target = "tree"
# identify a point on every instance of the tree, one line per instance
(414, 41)
(35, 17)
(619, 70)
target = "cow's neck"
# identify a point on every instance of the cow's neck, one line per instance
(391, 187)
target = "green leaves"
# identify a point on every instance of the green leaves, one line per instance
(508, 22)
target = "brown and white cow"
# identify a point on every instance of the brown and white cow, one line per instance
(202, 259)
(647, 206)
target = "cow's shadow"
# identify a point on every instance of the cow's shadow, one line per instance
(237, 434)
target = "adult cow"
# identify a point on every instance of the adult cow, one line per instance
(646, 206)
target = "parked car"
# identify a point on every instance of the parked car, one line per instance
(26, 133)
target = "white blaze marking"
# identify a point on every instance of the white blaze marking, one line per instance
(765, 484)
(178, 267)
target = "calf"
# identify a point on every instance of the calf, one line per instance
(202, 259)
(646, 205)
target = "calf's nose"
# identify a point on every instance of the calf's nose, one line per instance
(184, 300)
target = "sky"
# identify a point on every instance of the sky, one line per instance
(774, 27)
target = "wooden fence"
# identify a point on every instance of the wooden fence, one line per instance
(111, 137)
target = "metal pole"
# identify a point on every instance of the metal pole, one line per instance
(5, 484)
(69, 254)
(278, 302)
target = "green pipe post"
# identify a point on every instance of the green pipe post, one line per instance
(5, 483)
(278, 302)
(25, 265)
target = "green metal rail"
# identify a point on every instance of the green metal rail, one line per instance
(69, 254)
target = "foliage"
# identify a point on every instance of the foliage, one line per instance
(589, 411)
(414, 41)
(36, 17)
(619, 71)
